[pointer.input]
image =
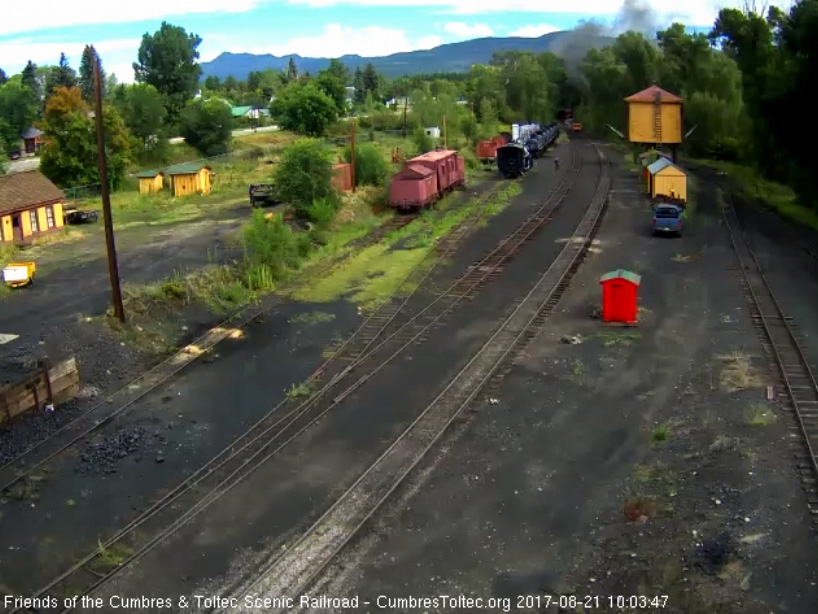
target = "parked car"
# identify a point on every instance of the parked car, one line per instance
(667, 219)
(263, 194)
(72, 215)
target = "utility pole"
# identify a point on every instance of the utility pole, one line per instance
(405, 105)
(352, 153)
(113, 269)
(445, 140)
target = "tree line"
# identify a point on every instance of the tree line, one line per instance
(743, 84)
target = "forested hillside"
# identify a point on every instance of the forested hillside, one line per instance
(744, 84)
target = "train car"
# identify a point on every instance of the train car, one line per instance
(426, 178)
(413, 187)
(447, 166)
(513, 160)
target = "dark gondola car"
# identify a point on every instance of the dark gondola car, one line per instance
(513, 160)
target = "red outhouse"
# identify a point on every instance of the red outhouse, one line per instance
(619, 289)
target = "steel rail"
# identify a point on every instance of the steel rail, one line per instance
(193, 481)
(296, 569)
(764, 319)
(393, 224)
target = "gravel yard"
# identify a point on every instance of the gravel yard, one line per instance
(103, 483)
(613, 462)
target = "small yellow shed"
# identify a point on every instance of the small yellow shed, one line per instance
(189, 178)
(668, 180)
(150, 182)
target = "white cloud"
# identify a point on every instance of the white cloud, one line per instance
(692, 12)
(19, 17)
(464, 30)
(430, 42)
(534, 31)
(18, 51)
(124, 72)
(338, 40)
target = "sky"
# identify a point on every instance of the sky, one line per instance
(312, 28)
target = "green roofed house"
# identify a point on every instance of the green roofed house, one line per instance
(150, 182)
(245, 111)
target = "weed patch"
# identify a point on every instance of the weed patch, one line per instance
(296, 391)
(110, 558)
(761, 415)
(737, 373)
(612, 338)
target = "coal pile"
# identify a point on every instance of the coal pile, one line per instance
(104, 457)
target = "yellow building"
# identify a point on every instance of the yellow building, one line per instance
(654, 116)
(189, 178)
(667, 180)
(30, 206)
(150, 182)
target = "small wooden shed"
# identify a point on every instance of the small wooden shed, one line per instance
(619, 290)
(668, 180)
(150, 182)
(189, 178)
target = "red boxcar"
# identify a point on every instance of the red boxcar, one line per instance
(487, 150)
(446, 168)
(412, 187)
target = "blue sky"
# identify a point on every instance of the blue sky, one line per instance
(317, 28)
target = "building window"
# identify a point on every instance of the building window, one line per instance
(33, 216)
(49, 216)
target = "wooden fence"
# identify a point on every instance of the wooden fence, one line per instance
(49, 384)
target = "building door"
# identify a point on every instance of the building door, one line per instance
(16, 227)
(619, 302)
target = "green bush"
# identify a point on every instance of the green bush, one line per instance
(322, 211)
(304, 175)
(270, 244)
(423, 142)
(371, 168)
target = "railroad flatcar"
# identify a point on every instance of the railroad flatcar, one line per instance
(426, 178)
(513, 160)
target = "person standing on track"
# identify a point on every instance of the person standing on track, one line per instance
(556, 164)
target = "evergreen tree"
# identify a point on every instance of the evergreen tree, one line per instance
(60, 76)
(292, 71)
(30, 79)
(89, 56)
(358, 84)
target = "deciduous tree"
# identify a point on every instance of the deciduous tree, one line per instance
(167, 61)
(205, 125)
(304, 108)
(70, 152)
(18, 109)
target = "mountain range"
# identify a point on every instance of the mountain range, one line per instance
(453, 57)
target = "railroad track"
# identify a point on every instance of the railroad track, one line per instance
(797, 388)
(362, 355)
(120, 401)
(294, 571)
